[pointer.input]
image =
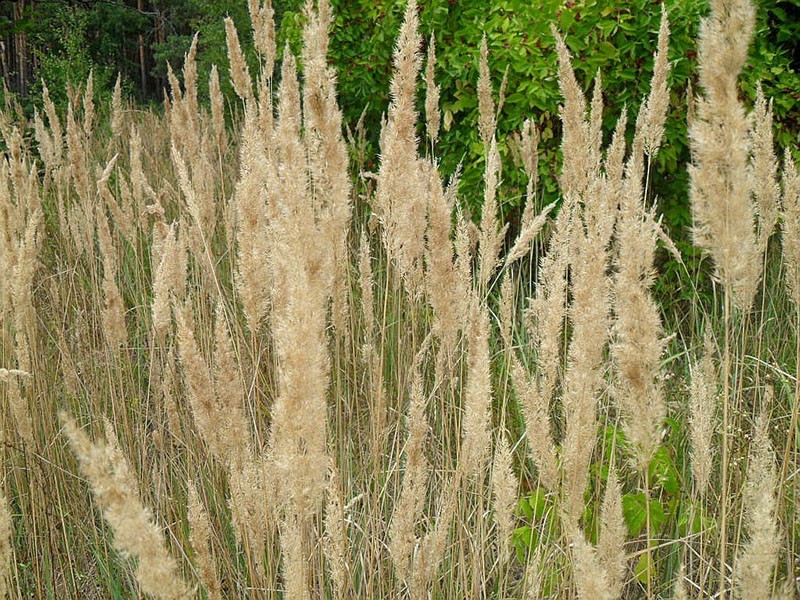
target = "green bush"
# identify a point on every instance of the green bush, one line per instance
(613, 37)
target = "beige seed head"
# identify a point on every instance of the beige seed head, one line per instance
(791, 226)
(657, 102)
(135, 532)
(486, 118)
(240, 74)
(433, 116)
(200, 536)
(759, 557)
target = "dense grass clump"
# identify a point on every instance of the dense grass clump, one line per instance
(234, 369)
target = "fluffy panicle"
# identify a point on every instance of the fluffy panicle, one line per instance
(410, 504)
(433, 116)
(791, 226)
(443, 286)
(251, 502)
(253, 266)
(169, 280)
(135, 533)
(764, 171)
(217, 108)
(720, 192)
(655, 109)
(229, 387)
(491, 233)
(217, 401)
(589, 316)
(205, 406)
(117, 123)
(538, 427)
(504, 486)
(240, 74)
(547, 314)
(121, 212)
(190, 85)
(88, 106)
(55, 125)
(611, 542)
(615, 158)
(262, 16)
(337, 550)
(638, 343)
(300, 286)
(139, 184)
(530, 230)
(113, 312)
(577, 170)
(530, 160)
(327, 155)
(679, 587)
(45, 142)
(295, 562)
(432, 546)
(759, 557)
(486, 118)
(478, 393)
(19, 407)
(400, 197)
(507, 310)
(591, 579)
(595, 123)
(22, 290)
(80, 214)
(702, 417)
(200, 535)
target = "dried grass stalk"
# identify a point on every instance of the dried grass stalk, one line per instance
(433, 115)
(6, 548)
(759, 557)
(763, 171)
(200, 536)
(409, 506)
(591, 580)
(262, 16)
(335, 543)
(791, 227)
(476, 438)
(655, 108)
(135, 532)
(240, 73)
(638, 343)
(722, 210)
(702, 417)
(491, 236)
(611, 542)
(504, 487)
(400, 198)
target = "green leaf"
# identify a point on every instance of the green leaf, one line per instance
(525, 509)
(539, 503)
(663, 472)
(635, 511)
(607, 50)
(644, 566)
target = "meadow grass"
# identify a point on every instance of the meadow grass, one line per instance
(236, 364)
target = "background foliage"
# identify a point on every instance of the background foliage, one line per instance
(615, 38)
